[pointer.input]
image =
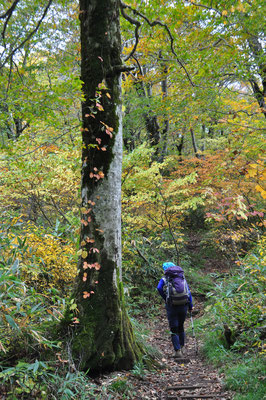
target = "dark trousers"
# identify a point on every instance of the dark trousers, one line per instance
(176, 317)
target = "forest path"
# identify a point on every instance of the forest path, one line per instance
(190, 378)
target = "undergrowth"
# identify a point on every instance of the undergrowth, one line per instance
(233, 327)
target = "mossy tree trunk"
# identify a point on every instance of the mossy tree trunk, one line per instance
(103, 339)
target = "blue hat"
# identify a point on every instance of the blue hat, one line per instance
(167, 265)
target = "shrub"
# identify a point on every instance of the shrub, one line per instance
(239, 302)
(46, 261)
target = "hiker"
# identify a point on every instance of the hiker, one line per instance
(178, 300)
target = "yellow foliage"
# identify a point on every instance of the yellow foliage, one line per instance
(47, 261)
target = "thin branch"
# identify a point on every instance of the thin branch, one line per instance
(59, 210)
(127, 174)
(9, 77)
(154, 220)
(29, 36)
(168, 220)
(154, 23)
(10, 10)
(133, 22)
(140, 253)
(203, 6)
(215, 44)
(138, 63)
(42, 145)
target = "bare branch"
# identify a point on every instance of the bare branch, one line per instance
(59, 210)
(138, 64)
(133, 22)
(208, 8)
(29, 35)
(139, 252)
(9, 12)
(154, 23)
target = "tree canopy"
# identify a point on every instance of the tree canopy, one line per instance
(131, 132)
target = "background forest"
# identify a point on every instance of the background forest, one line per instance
(193, 182)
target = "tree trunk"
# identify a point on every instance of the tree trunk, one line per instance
(180, 146)
(259, 56)
(203, 133)
(194, 143)
(104, 339)
(165, 129)
(151, 122)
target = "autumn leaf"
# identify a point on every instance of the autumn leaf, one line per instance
(109, 133)
(85, 265)
(94, 250)
(84, 254)
(88, 240)
(99, 106)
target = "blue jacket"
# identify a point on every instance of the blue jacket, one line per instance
(176, 270)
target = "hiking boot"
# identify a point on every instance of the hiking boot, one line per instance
(183, 351)
(178, 354)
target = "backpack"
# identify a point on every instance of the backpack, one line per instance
(174, 297)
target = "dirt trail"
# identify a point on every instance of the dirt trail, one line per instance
(189, 378)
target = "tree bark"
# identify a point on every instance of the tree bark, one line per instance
(151, 121)
(180, 145)
(165, 129)
(103, 339)
(194, 143)
(259, 56)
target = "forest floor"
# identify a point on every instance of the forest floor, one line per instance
(188, 378)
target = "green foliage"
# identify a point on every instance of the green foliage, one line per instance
(45, 260)
(237, 305)
(151, 353)
(247, 379)
(239, 301)
(139, 370)
(22, 379)
(163, 202)
(201, 282)
(46, 381)
(121, 386)
(30, 309)
(244, 373)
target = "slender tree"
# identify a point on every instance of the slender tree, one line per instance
(104, 338)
